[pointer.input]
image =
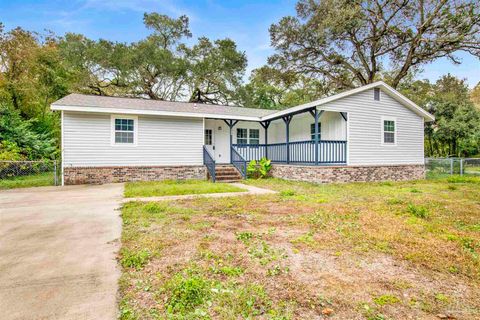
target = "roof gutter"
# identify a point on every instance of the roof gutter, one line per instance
(151, 112)
(389, 90)
(294, 110)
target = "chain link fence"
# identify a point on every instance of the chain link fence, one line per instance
(26, 173)
(449, 166)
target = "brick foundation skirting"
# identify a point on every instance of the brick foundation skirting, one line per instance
(328, 174)
(99, 175)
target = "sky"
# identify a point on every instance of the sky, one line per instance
(246, 22)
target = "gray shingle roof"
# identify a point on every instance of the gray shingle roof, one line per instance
(82, 100)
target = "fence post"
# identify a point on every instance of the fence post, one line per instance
(461, 166)
(451, 166)
(55, 172)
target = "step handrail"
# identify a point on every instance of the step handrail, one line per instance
(239, 162)
(209, 162)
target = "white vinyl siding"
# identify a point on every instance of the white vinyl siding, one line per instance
(165, 140)
(333, 127)
(365, 137)
(161, 141)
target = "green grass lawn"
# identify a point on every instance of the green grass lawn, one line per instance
(37, 180)
(173, 188)
(390, 250)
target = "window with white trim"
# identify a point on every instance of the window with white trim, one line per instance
(389, 127)
(124, 131)
(312, 131)
(254, 136)
(208, 137)
(242, 136)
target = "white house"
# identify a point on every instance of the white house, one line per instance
(370, 133)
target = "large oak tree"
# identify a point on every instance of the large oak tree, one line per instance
(353, 43)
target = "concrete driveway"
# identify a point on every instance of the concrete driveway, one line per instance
(57, 252)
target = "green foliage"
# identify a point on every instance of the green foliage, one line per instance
(463, 179)
(226, 270)
(417, 211)
(265, 165)
(351, 44)
(160, 66)
(270, 88)
(456, 129)
(185, 292)
(215, 71)
(259, 169)
(386, 299)
(20, 141)
(252, 168)
(154, 207)
(287, 193)
(176, 187)
(134, 259)
(35, 180)
(10, 151)
(245, 237)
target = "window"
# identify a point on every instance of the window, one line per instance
(389, 131)
(254, 136)
(376, 94)
(242, 137)
(124, 131)
(248, 136)
(208, 137)
(312, 131)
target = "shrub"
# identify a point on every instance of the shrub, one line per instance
(23, 138)
(10, 151)
(259, 169)
(265, 165)
(252, 169)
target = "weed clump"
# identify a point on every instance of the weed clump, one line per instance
(154, 207)
(386, 299)
(417, 211)
(134, 259)
(185, 293)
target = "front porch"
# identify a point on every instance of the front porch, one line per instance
(307, 137)
(329, 152)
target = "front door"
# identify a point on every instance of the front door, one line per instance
(217, 140)
(210, 141)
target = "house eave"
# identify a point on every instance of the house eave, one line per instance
(150, 112)
(380, 84)
(276, 115)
